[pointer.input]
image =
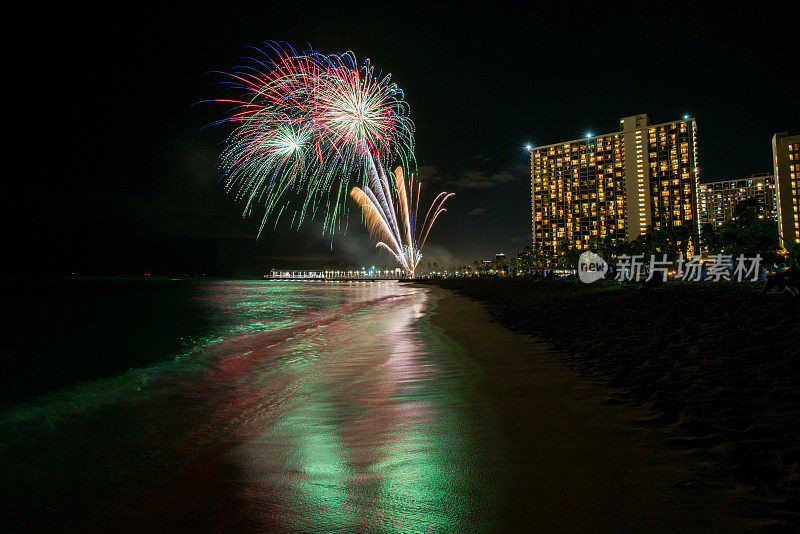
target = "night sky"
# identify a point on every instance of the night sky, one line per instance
(110, 170)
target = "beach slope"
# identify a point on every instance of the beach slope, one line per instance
(576, 460)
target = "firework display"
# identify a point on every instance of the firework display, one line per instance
(377, 201)
(304, 123)
(308, 125)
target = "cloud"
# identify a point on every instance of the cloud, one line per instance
(429, 174)
(476, 211)
(434, 253)
(476, 179)
(472, 178)
(480, 180)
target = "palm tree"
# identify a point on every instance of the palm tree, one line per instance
(610, 247)
(567, 255)
(683, 237)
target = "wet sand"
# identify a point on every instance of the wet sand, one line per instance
(578, 460)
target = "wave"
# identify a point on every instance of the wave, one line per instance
(54, 409)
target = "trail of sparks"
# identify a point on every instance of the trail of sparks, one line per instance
(381, 215)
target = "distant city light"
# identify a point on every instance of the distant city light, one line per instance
(589, 134)
(685, 117)
(528, 147)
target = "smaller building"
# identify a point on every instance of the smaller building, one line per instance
(718, 200)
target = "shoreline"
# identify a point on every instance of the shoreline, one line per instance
(577, 459)
(715, 366)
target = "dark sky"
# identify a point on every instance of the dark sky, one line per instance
(111, 171)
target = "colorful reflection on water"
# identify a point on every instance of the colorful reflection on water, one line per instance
(327, 408)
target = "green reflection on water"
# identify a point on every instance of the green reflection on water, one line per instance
(417, 457)
(401, 446)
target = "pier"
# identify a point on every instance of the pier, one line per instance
(364, 275)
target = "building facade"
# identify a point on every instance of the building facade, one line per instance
(615, 184)
(719, 199)
(786, 162)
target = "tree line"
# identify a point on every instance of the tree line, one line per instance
(748, 233)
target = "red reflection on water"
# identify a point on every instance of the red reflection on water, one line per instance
(336, 422)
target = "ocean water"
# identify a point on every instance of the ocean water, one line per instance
(240, 406)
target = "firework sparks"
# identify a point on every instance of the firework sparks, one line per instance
(306, 123)
(377, 204)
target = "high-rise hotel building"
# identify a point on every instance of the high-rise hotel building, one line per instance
(615, 184)
(786, 160)
(718, 200)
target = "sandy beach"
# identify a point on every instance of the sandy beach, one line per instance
(580, 462)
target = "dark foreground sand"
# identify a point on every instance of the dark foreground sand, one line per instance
(716, 365)
(581, 461)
